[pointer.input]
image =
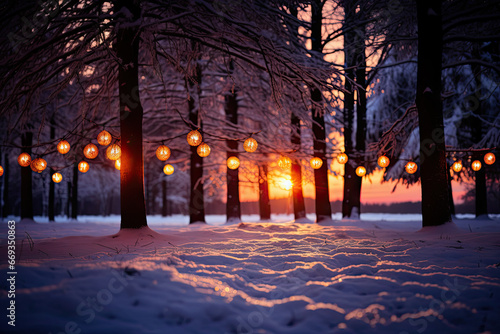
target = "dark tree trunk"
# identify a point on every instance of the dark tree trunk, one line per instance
(355, 60)
(433, 166)
(26, 179)
(450, 192)
(323, 208)
(69, 200)
(133, 206)
(481, 190)
(74, 193)
(233, 207)
(164, 209)
(51, 183)
(350, 182)
(2, 181)
(477, 136)
(196, 198)
(51, 209)
(6, 171)
(153, 199)
(299, 209)
(147, 189)
(264, 205)
(360, 114)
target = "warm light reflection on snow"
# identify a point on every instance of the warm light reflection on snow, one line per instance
(350, 275)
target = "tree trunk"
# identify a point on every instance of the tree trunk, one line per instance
(74, 193)
(147, 189)
(433, 167)
(26, 179)
(153, 202)
(481, 190)
(6, 171)
(360, 113)
(197, 196)
(2, 181)
(264, 205)
(355, 62)
(69, 200)
(350, 177)
(133, 206)
(323, 208)
(299, 209)
(51, 208)
(164, 208)
(477, 136)
(233, 207)
(450, 192)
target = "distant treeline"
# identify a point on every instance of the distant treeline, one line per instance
(93, 206)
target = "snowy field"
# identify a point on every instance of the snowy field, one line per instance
(382, 274)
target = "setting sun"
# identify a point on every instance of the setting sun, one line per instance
(284, 184)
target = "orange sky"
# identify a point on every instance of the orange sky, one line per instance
(373, 191)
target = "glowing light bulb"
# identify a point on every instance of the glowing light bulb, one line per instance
(316, 163)
(383, 161)
(361, 171)
(342, 158)
(411, 167)
(250, 145)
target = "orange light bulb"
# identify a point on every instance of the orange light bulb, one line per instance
(168, 169)
(57, 177)
(316, 163)
(250, 145)
(361, 171)
(90, 151)
(411, 167)
(163, 153)
(342, 158)
(63, 147)
(383, 161)
(194, 138)
(233, 163)
(83, 166)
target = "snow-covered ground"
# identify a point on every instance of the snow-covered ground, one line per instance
(382, 274)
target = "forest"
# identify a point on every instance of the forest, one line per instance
(261, 166)
(304, 82)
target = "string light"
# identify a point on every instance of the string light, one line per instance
(1, 170)
(194, 138)
(284, 162)
(489, 158)
(233, 163)
(383, 161)
(250, 145)
(316, 163)
(118, 164)
(411, 167)
(457, 166)
(168, 169)
(203, 150)
(90, 151)
(104, 138)
(57, 177)
(113, 152)
(38, 165)
(163, 153)
(342, 158)
(83, 166)
(361, 171)
(476, 165)
(63, 147)
(24, 159)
